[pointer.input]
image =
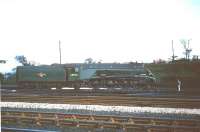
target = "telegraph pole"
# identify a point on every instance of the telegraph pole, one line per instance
(60, 50)
(172, 51)
(173, 56)
(188, 50)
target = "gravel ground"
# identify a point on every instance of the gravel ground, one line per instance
(177, 113)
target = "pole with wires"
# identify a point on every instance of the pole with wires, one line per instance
(60, 50)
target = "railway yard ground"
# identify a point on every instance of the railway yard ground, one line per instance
(88, 111)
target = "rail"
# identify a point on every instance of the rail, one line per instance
(146, 124)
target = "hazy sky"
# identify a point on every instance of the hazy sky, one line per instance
(108, 30)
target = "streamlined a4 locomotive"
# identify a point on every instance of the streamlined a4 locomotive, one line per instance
(76, 75)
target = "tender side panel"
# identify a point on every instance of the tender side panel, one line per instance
(41, 76)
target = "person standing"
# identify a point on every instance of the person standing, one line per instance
(179, 85)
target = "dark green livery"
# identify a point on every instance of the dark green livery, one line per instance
(85, 75)
(41, 73)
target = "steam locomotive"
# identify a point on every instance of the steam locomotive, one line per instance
(77, 75)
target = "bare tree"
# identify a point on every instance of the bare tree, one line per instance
(22, 59)
(1, 74)
(1, 77)
(186, 46)
(3, 61)
(89, 60)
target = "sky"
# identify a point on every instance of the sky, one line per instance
(107, 30)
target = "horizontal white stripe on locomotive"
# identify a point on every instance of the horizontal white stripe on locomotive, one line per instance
(96, 108)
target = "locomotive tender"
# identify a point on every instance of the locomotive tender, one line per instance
(76, 75)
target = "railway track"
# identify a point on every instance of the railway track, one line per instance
(108, 100)
(99, 91)
(124, 123)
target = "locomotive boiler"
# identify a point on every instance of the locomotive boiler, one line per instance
(76, 75)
